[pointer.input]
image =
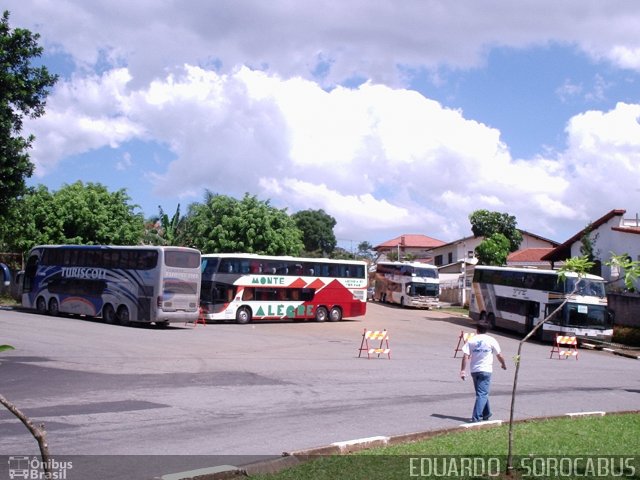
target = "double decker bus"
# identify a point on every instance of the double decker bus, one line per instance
(410, 284)
(517, 299)
(244, 287)
(120, 284)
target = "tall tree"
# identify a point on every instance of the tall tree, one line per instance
(75, 214)
(162, 230)
(23, 91)
(485, 223)
(317, 231)
(365, 250)
(224, 224)
(493, 250)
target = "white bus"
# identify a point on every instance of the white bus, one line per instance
(244, 287)
(410, 284)
(120, 284)
(519, 298)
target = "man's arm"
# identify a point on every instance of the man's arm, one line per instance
(501, 360)
(463, 366)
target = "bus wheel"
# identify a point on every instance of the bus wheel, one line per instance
(243, 315)
(41, 306)
(492, 321)
(321, 314)
(54, 308)
(163, 324)
(335, 315)
(123, 316)
(108, 314)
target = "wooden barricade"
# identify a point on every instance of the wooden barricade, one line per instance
(373, 348)
(462, 339)
(565, 346)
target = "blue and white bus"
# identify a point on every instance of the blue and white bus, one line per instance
(409, 284)
(518, 299)
(132, 284)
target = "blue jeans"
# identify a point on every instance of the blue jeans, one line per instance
(482, 384)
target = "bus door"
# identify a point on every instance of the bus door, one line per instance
(28, 278)
(532, 315)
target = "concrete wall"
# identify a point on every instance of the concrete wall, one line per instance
(626, 308)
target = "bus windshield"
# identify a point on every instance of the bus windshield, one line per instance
(578, 315)
(586, 287)
(426, 272)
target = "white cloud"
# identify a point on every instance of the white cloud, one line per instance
(242, 105)
(376, 158)
(341, 40)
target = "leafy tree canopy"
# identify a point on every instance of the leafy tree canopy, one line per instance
(224, 224)
(23, 90)
(75, 214)
(493, 250)
(485, 223)
(162, 230)
(317, 231)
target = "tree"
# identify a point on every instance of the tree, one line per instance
(630, 268)
(224, 224)
(23, 91)
(485, 223)
(162, 230)
(588, 248)
(493, 250)
(317, 231)
(365, 251)
(75, 214)
(579, 265)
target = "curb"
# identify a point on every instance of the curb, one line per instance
(297, 457)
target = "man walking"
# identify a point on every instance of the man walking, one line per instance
(478, 351)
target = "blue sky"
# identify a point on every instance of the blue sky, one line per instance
(393, 117)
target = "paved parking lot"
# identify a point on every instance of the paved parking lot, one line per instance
(262, 389)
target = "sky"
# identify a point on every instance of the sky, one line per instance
(392, 116)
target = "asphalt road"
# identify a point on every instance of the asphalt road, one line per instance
(155, 400)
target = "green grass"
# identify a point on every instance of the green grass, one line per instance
(570, 439)
(458, 310)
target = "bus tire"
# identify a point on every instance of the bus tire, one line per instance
(124, 318)
(54, 308)
(163, 324)
(335, 315)
(321, 314)
(243, 315)
(492, 321)
(109, 314)
(41, 306)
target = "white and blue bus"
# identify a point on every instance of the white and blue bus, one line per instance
(409, 284)
(517, 299)
(121, 284)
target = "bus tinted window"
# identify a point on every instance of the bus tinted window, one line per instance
(181, 259)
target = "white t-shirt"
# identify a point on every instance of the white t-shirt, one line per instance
(481, 347)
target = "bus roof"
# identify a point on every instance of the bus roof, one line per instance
(534, 270)
(256, 256)
(413, 264)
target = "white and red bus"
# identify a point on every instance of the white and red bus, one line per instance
(244, 287)
(120, 284)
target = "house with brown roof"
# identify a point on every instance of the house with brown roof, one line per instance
(613, 232)
(457, 250)
(416, 245)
